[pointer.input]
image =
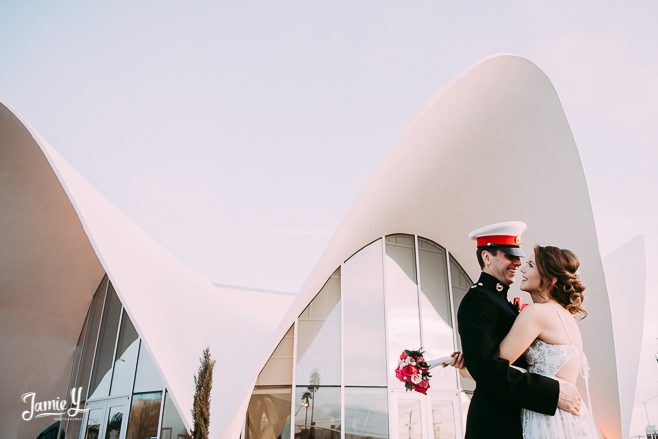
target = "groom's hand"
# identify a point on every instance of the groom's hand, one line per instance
(457, 360)
(569, 399)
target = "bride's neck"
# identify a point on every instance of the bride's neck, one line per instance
(541, 297)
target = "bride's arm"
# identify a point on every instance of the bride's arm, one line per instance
(525, 330)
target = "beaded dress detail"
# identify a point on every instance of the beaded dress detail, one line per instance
(547, 359)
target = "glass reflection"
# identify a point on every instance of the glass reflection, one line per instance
(147, 377)
(94, 319)
(68, 424)
(317, 412)
(101, 375)
(93, 428)
(144, 415)
(126, 358)
(402, 315)
(114, 423)
(461, 283)
(409, 419)
(172, 425)
(318, 338)
(363, 313)
(443, 419)
(366, 413)
(278, 369)
(268, 415)
(438, 338)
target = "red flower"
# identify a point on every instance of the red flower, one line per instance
(422, 387)
(517, 304)
(403, 355)
(410, 370)
(399, 375)
(420, 359)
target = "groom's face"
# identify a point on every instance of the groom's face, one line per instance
(503, 266)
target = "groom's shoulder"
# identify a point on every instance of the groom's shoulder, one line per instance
(477, 294)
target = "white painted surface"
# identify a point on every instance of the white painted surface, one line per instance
(625, 274)
(494, 146)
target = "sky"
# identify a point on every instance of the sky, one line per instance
(238, 134)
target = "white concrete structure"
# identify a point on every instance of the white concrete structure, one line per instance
(493, 146)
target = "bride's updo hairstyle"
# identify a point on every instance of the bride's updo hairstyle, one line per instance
(561, 265)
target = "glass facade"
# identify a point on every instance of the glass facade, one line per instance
(318, 337)
(126, 390)
(362, 289)
(332, 373)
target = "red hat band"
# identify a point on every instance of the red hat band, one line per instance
(484, 241)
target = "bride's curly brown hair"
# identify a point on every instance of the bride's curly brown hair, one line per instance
(557, 267)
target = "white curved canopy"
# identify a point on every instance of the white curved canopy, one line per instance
(58, 236)
(494, 146)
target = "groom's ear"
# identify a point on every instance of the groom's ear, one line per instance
(486, 257)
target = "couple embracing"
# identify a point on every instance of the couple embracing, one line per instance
(540, 401)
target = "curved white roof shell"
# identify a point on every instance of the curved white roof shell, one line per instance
(58, 236)
(494, 146)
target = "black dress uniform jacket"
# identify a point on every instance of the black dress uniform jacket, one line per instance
(485, 317)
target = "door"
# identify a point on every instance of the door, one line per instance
(416, 416)
(106, 419)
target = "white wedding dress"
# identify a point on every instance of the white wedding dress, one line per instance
(547, 359)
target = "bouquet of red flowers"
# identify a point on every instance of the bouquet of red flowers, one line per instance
(413, 371)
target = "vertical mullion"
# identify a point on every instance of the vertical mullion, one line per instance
(452, 301)
(162, 403)
(389, 390)
(418, 289)
(293, 380)
(342, 357)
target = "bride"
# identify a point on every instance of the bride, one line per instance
(547, 333)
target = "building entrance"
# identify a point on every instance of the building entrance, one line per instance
(416, 416)
(106, 419)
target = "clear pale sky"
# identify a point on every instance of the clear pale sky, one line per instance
(238, 135)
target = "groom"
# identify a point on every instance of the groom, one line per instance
(485, 317)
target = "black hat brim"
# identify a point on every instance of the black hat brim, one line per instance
(514, 251)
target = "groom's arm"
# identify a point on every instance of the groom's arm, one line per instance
(477, 319)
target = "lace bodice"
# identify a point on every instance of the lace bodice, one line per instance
(547, 359)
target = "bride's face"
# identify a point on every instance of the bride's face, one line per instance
(530, 276)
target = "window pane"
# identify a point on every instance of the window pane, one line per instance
(94, 319)
(278, 369)
(461, 283)
(144, 415)
(318, 338)
(435, 310)
(363, 311)
(268, 416)
(73, 428)
(443, 419)
(317, 412)
(172, 425)
(73, 377)
(366, 413)
(409, 418)
(93, 428)
(126, 358)
(102, 374)
(115, 423)
(147, 377)
(402, 315)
